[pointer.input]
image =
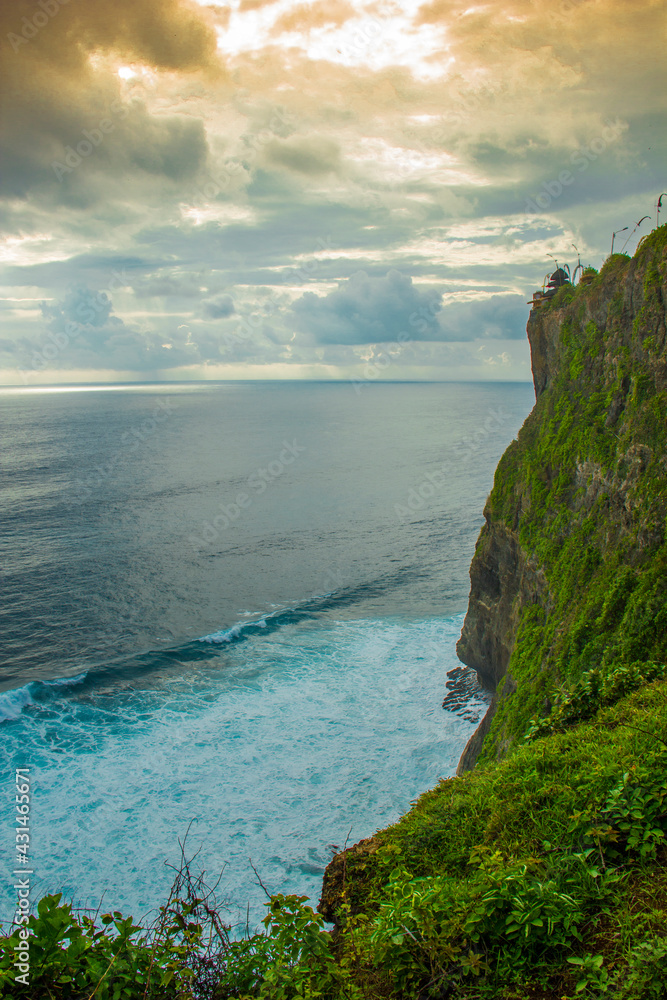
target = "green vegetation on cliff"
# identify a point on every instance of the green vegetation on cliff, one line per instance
(541, 876)
(584, 488)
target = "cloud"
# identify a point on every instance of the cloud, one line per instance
(371, 184)
(495, 317)
(373, 310)
(219, 307)
(308, 16)
(82, 313)
(169, 34)
(168, 284)
(247, 5)
(95, 157)
(61, 88)
(313, 156)
(558, 67)
(83, 331)
(368, 310)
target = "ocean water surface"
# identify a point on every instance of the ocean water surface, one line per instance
(230, 608)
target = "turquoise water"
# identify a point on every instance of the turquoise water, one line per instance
(266, 673)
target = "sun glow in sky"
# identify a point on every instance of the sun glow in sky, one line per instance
(328, 175)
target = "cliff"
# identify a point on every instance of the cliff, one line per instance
(571, 557)
(524, 876)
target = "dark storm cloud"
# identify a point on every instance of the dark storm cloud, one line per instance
(79, 156)
(171, 34)
(63, 119)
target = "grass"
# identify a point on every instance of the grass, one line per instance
(520, 865)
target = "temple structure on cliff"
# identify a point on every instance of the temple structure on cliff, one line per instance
(551, 285)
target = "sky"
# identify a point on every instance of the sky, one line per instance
(328, 190)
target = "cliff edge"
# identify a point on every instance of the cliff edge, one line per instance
(569, 568)
(541, 871)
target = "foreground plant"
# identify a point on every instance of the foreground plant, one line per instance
(74, 956)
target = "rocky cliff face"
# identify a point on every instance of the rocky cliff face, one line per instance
(568, 596)
(578, 503)
(503, 579)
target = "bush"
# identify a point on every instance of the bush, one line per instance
(72, 956)
(595, 689)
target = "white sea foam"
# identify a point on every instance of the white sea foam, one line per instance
(66, 681)
(313, 734)
(13, 702)
(226, 635)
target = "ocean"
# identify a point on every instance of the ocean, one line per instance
(229, 611)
